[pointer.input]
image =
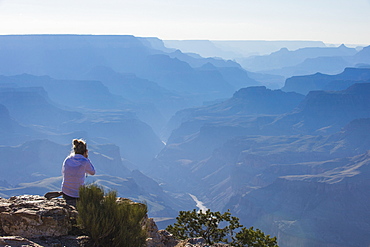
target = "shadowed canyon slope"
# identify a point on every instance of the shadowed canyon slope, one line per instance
(314, 209)
(242, 155)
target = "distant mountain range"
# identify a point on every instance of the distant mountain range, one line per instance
(233, 49)
(270, 62)
(162, 124)
(34, 115)
(318, 81)
(286, 58)
(304, 61)
(74, 56)
(308, 60)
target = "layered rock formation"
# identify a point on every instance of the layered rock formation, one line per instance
(318, 81)
(326, 208)
(31, 220)
(34, 216)
(34, 221)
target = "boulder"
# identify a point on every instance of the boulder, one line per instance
(158, 238)
(33, 216)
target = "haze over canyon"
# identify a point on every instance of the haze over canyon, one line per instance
(276, 131)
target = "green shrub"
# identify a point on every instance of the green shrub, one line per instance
(109, 222)
(248, 237)
(191, 224)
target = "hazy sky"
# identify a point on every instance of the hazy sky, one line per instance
(331, 21)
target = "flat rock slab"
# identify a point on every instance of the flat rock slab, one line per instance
(35, 216)
(17, 241)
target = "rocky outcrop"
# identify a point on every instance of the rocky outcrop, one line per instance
(31, 220)
(34, 216)
(158, 238)
(162, 238)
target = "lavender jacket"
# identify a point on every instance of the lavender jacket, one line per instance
(74, 168)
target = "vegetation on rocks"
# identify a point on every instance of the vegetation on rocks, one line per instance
(215, 227)
(108, 221)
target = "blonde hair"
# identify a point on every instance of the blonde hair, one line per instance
(79, 146)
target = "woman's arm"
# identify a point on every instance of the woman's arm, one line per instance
(89, 168)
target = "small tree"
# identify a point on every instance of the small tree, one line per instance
(208, 224)
(248, 237)
(192, 224)
(109, 222)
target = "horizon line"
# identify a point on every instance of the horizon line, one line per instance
(190, 39)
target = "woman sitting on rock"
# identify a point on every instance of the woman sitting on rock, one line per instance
(75, 166)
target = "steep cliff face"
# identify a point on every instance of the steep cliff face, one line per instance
(245, 163)
(323, 112)
(11, 131)
(319, 113)
(33, 106)
(305, 84)
(249, 107)
(329, 207)
(363, 56)
(5, 120)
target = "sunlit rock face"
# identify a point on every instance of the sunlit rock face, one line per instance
(34, 216)
(32, 220)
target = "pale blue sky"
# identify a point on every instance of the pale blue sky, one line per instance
(331, 21)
